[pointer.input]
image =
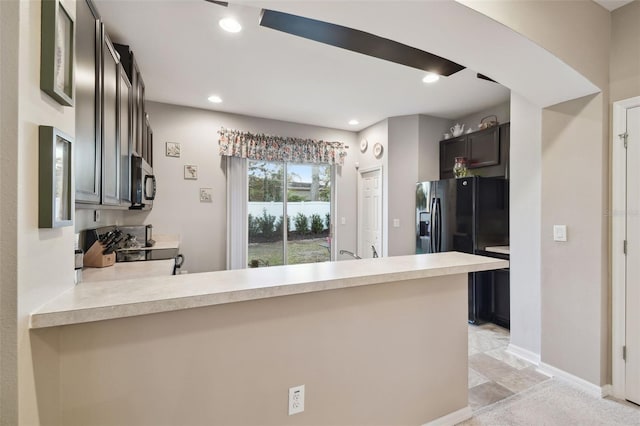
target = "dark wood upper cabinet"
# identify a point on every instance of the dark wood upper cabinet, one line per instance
(87, 145)
(138, 126)
(111, 121)
(487, 152)
(125, 121)
(484, 148)
(449, 150)
(110, 130)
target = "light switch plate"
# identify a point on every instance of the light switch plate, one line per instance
(343, 220)
(396, 223)
(559, 232)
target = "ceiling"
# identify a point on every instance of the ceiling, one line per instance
(612, 5)
(185, 57)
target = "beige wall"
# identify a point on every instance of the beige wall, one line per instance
(374, 355)
(9, 12)
(524, 224)
(44, 256)
(404, 144)
(625, 52)
(202, 226)
(574, 279)
(501, 111)
(430, 135)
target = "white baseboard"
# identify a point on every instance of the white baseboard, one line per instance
(588, 387)
(525, 354)
(452, 419)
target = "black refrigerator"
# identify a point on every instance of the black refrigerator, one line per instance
(466, 215)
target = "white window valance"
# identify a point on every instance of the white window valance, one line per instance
(235, 143)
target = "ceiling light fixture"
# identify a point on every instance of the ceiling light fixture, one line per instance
(230, 25)
(354, 122)
(215, 99)
(431, 78)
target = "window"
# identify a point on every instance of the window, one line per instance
(293, 229)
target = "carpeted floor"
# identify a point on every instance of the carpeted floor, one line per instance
(554, 402)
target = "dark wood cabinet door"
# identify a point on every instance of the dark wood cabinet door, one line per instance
(110, 131)
(501, 298)
(125, 122)
(87, 144)
(135, 125)
(449, 150)
(484, 148)
(142, 118)
(149, 141)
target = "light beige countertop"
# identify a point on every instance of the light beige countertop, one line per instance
(498, 249)
(128, 270)
(118, 299)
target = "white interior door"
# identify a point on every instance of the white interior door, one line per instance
(370, 213)
(632, 326)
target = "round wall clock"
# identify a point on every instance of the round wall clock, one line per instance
(363, 145)
(377, 150)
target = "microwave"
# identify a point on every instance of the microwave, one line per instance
(143, 184)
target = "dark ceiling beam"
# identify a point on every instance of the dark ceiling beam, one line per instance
(358, 41)
(484, 77)
(220, 3)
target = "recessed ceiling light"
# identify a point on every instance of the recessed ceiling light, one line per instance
(354, 122)
(215, 99)
(230, 25)
(431, 78)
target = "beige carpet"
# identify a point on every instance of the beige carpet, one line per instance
(555, 403)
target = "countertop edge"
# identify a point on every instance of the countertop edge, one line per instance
(44, 318)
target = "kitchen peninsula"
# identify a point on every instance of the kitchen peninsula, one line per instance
(375, 341)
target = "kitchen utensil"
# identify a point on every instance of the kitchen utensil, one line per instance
(79, 254)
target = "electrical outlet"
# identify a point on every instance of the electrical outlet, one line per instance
(343, 220)
(296, 400)
(396, 223)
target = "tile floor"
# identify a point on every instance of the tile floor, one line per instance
(495, 374)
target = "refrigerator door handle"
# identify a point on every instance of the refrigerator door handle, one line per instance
(432, 234)
(439, 219)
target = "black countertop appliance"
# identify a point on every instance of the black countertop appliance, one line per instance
(465, 215)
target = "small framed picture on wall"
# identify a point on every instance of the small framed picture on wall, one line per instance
(206, 195)
(191, 172)
(172, 149)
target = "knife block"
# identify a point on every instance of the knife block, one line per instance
(94, 257)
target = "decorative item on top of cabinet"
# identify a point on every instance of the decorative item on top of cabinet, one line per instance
(57, 47)
(460, 167)
(488, 121)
